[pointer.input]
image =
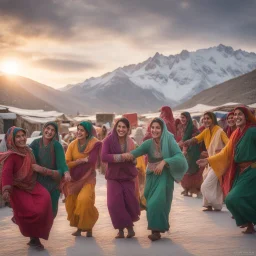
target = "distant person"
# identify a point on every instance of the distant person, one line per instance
(30, 201)
(236, 166)
(192, 180)
(215, 139)
(231, 124)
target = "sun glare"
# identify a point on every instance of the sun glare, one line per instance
(10, 67)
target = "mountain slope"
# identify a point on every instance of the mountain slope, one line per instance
(22, 92)
(175, 77)
(241, 89)
(11, 94)
(120, 95)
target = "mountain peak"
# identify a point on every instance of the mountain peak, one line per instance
(224, 48)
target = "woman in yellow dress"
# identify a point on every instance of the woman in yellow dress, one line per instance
(81, 157)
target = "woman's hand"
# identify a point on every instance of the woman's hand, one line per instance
(202, 162)
(6, 196)
(127, 157)
(82, 160)
(181, 144)
(159, 168)
(204, 154)
(37, 168)
(67, 177)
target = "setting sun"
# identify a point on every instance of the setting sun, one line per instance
(10, 67)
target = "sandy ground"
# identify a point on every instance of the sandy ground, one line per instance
(192, 232)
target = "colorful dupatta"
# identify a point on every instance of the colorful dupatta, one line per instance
(25, 178)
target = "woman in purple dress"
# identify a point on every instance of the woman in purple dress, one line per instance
(123, 204)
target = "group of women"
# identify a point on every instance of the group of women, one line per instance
(31, 178)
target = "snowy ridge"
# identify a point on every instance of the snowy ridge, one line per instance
(177, 77)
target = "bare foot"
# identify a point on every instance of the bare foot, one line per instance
(250, 229)
(77, 233)
(207, 209)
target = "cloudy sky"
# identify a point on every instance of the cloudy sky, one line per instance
(58, 42)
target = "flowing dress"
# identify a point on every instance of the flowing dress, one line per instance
(159, 188)
(52, 157)
(80, 191)
(214, 139)
(30, 201)
(241, 184)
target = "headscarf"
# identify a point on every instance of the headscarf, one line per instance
(167, 116)
(115, 146)
(237, 135)
(139, 135)
(212, 116)
(167, 144)
(24, 178)
(229, 129)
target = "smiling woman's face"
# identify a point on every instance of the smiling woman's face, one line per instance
(156, 130)
(20, 139)
(239, 118)
(121, 129)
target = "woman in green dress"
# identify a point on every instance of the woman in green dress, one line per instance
(50, 162)
(235, 166)
(166, 164)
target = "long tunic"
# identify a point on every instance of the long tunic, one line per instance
(159, 188)
(32, 209)
(80, 201)
(240, 201)
(52, 157)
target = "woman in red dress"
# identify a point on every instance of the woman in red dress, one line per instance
(30, 201)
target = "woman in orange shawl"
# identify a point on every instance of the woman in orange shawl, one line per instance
(81, 156)
(30, 201)
(235, 166)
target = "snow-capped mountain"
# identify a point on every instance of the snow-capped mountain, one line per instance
(167, 79)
